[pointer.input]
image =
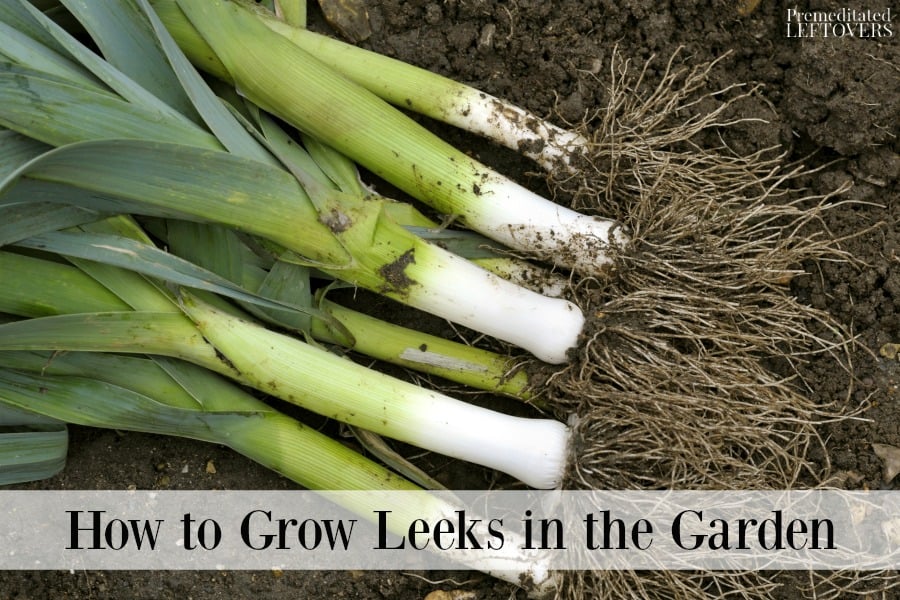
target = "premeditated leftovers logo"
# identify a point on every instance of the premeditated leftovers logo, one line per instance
(842, 23)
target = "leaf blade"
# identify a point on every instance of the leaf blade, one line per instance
(131, 255)
(57, 112)
(129, 44)
(186, 182)
(31, 455)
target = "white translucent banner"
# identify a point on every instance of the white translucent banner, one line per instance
(490, 531)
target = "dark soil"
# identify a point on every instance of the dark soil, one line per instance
(832, 102)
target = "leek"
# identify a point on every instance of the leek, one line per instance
(221, 251)
(232, 43)
(169, 397)
(441, 98)
(421, 352)
(350, 238)
(163, 396)
(273, 363)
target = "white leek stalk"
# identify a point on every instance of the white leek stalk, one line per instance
(547, 327)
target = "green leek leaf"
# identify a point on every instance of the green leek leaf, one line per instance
(31, 455)
(216, 248)
(72, 113)
(217, 117)
(21, 17)
(185, 182)
(35, 287)
(93, 403)
(16, 150)
(148, 260)
(32, 446)
(128, 43)
(20, 48)
(139, 374)
(20, 220)
(166, 334)
(123, 85)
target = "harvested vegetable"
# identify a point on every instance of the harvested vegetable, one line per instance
(347, 236)
(228, 40)
(140, 318)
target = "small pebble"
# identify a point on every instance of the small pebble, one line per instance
(486, 39)
(891, 457)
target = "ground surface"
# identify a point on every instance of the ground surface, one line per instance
(837, 97)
